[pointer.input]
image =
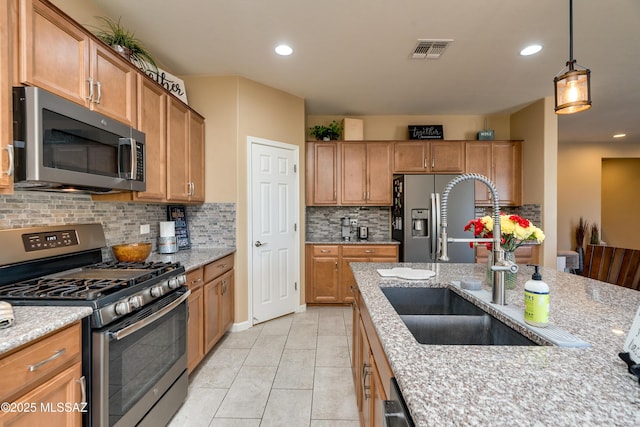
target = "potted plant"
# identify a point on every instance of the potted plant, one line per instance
(326, 133)
(581, 232)
(595, 234)
(124, 42)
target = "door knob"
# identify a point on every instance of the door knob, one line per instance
(259, 243)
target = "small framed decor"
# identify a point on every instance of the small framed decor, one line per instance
(178, 214)
(426, 132)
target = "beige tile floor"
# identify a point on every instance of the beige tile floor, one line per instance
(291, 371)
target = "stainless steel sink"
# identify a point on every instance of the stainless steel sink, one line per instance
(439, 316)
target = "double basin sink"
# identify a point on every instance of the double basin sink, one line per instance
(439, 316)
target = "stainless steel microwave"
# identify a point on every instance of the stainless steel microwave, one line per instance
(62, 146)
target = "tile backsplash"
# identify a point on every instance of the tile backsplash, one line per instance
(323, 223)
(210, 224)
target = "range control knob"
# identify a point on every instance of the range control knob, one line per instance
(174, 283)
(157, 291)
(136, 302)
(121, 308)
(182, 279)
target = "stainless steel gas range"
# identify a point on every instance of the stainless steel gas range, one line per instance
(134, 343)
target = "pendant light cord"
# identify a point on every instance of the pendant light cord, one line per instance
(571, 31)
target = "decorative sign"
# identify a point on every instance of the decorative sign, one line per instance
(170, 82)
(632, 344)
(178, 214)
(426, 132)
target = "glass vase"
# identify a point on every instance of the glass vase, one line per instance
(510, 279)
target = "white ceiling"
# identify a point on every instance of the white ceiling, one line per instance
(351, 57)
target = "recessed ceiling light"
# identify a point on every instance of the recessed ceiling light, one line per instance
(284, 50)
(530, 50)
(620, 135)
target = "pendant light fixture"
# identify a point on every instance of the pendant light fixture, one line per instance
(573, 83)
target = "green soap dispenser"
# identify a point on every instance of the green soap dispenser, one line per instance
(536, 300)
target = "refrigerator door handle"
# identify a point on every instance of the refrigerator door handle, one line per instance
(435, 214)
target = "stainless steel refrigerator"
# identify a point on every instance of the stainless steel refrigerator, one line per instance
(416, 216)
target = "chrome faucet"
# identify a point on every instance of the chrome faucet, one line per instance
(499, 265)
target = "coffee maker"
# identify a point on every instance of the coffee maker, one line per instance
(346, 228)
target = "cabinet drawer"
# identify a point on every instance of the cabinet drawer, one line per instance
(195, 278)
(325, 250)
(216, 268)
(37, 362)
(369, 251)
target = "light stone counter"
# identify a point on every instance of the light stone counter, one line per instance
(32, 322)
(193, 258)
(337, 241)
(514, 386)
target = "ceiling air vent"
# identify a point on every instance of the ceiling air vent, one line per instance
(430, 48)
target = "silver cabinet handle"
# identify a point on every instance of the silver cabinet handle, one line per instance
(365, 388)
(9, 149)
(259, 243)
(99, 92)
(90, 97)
(83, 388)
(51, 358)
(324, 251)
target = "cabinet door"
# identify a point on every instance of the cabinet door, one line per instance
(354, 173)
(212, 325)
(446, 156)
(346, 278)
(227, 301)
(114, 84)
(6, 118)
(54, 53)
(195, 329)
(177, 151)
(507, 171)
(196, 157)
(379, 174)
(478, 159)
(64, 388)
(322, 180)
(152, 120)
(324, 273)
(378, 397)
(410, 157)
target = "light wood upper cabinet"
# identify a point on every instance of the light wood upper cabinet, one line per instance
(196, 157)
(501, 162)
(366, 173)
(6, 144)
(178, 188)
(322, 173)
(428, 157)
(59, 56)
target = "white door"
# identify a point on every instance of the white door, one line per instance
(274, 199)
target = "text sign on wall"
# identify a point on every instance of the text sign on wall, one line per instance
(426, 132)
(178, 214)
(171, 83)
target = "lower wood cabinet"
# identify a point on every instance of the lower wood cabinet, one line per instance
(210, 307)
(328, 276)
(42, 375)
(371, 371)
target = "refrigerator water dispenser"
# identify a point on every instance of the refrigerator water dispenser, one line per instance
(420, 222)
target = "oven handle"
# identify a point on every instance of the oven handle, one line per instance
(125, 332)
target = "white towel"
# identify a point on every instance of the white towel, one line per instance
(6, 315)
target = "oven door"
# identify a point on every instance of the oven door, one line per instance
(139, 362)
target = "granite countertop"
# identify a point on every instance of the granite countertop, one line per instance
(193, 258)
(32, 322)
(338, 241)
(509, 385)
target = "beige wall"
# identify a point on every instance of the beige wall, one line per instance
(620, 202)
(537, 125)
(236, 108)
(82, 11)
(395, 127)
(580, 183)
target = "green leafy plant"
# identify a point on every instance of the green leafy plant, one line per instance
(331, 132)
(114, 34)
(595, 234)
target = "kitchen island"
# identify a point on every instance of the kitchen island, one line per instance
(513, 385)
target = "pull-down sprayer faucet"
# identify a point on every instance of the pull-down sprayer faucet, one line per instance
(499, 265)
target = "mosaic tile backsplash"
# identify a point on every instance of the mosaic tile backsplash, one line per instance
(210, 224)
(323, 223)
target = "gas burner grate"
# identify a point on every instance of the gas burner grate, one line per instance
(62, 288)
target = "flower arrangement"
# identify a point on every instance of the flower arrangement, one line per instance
(514, 231)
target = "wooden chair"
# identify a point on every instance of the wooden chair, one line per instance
(619, 266)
